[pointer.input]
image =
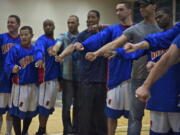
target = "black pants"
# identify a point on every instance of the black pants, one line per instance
(92, 119)
(70, 97)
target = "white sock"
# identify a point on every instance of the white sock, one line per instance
(9, 124)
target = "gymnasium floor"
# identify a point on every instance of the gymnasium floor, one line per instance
(54, 126)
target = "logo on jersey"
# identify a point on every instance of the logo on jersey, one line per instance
(157, 53)
(5, 48)
(26, 61)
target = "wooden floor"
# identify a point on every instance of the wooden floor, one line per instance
(54, 126)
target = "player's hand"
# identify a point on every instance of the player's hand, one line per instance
(39, 64)
(94, 28)
(24, 62)
(50, 51)
(4, 49)
(110, 54)
(129, 47)
(79, 46)
(150, 65)
(16, 69)
(54, 50)
(91, 56)
(59, 59)
(142, 93)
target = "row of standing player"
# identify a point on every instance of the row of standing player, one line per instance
(110, 68)
(159, 108)
(18, 61)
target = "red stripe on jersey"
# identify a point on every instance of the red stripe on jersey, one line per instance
(15, 79)
(41, 75)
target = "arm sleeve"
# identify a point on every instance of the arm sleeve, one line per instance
(38, 55)
(11, 61)
(130, 56)
(96, 41)
(39, 49)
(162, 40)
(75, 40)
(177, 41)
(129, 32)
(60, 39)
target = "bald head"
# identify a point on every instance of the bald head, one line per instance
(48, 26)
(48, 21)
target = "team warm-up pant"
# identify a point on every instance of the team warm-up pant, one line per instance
(70, 97)
(92, 119)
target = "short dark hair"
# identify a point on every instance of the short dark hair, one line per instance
(147, 1)
(128, 5)
(27, 28)
(16, 17)
(74, 17)
(96, 12)
(165, 10)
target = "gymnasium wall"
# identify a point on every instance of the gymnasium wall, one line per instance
(34, 12)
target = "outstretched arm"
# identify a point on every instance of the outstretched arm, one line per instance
(60, 42)
(119, 42)
(98, 40)
(98, 27)
(66, 52)
(91, 56)
(130, 56)
(162, 66)
(11, 62)
(162, 40)
(56, 48)
(129, 47)
(156, 41)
